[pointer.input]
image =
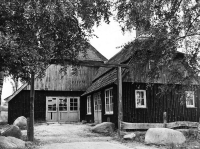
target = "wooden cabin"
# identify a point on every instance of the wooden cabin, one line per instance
(142, 101)
(57, 95)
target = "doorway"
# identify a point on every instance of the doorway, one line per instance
(97, 108)
(62, 109)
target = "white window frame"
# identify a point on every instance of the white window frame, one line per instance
(136, 99)
(110, 99)
(186, 98)
(89, 107)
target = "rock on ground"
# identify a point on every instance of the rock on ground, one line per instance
(106, 128)
(12, 131)
(129, 136)
(164, 136)
(11, 143)
(21, 122)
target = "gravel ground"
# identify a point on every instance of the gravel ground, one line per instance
(60, 136)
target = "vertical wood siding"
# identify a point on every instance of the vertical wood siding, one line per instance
(157, 104)
(1, 84)
(55, 80)
(20, 104)
(105, 117)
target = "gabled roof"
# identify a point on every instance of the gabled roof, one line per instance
(92, 54)
(106, 76)
(120, 58)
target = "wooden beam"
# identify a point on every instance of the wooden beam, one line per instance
(119, 95)
(31, 120)
(182, 123)
(126, 125)
(165, 119)
(89, 63)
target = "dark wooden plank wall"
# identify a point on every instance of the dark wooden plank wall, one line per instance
(19, 105)
(110, 117)
(156, 105)
(55, 80)
(1, 83)
(105, 118)
(83, 115)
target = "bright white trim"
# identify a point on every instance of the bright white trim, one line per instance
(136, 98)
(189, 94)
(109, 101)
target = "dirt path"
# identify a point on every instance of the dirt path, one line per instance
(77, 136)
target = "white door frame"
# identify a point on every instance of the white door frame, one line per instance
(57, 111)
(99, 107)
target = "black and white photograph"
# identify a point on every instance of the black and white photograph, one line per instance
(99, 74)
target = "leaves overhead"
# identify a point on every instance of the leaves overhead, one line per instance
(33, 32)
(164, 26)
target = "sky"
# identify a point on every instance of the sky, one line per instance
(110, 38)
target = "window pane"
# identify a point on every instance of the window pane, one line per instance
(107, 100)
(141, 94)
(107, 108)
(75, 104)
(111, 92)
(142, 101)
(111, 107)
(75, 100)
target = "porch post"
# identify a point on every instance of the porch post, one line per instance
(31, 120)
(119, 96)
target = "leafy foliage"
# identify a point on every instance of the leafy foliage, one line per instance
(164, 27)
(33, 32)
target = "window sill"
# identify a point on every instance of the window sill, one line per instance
(141, 107)
(108, 114)
(191, 107)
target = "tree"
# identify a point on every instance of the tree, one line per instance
(35, 32)
(168, 25)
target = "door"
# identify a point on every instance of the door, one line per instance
(97, 108)
(62, 109)
(51, 108)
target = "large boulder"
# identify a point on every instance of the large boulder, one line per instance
(12, 131)
(106, 128)
(11, 143)
(21, 122)
(164, 136)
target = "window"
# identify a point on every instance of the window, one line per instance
(52, 104)
(73, 104)
(63, 104)
(189, 99)
(109, 101)
(88, 104)
(140, 98)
